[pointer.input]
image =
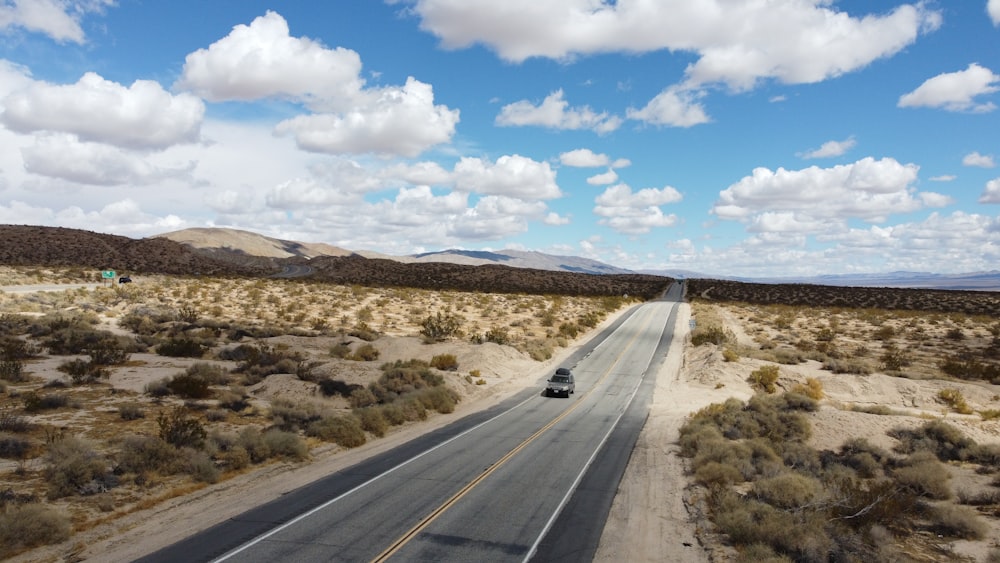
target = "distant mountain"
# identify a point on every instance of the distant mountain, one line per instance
(237, 245)
(521, 259)
(976, 281)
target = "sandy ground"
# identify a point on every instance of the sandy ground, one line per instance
(652, 518)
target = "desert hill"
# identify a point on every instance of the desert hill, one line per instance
(250, 244)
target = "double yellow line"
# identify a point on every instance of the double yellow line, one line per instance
(427, 520)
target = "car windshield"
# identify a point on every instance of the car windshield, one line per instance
(560, 379)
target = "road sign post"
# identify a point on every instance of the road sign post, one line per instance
(108, 275)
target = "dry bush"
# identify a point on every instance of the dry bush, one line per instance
(850, 366)
(72, 465)
(181, 430)
(923, 474)
(289, 414)
(200, 466)
(764, 378)
(373, 420)
(30, 525)
(14, 447)
(365, 353)
(954, 399)
(345, 431)
(142, 454)
(788, 490)
(954, 521)
(940, 438)
(131, 411)
(813, 388)
(285, 444)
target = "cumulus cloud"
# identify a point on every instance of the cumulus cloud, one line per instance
(955, 91)
(262, 60)
(511, 175)
(635, 213)
(62, 156)
(609, 177)
(583, 158)
(993, 9)
(126, 215)
(943, 178)
(978, 160)
(831, 148)
(554, 112)
(142, 116)
(59, 19)
(675, 107)
(819, 199)
(793, 42)
(991, 193)
(397, 121)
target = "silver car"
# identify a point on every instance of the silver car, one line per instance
(561, 383)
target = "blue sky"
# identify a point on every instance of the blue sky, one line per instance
(725, 137)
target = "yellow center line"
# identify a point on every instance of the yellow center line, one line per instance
(427, 520)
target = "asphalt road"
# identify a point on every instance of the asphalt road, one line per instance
(533, 477)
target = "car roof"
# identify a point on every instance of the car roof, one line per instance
(563, 371)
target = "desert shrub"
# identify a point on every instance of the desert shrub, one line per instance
(213, 374)
(373, 420)
(72, 466)
(923, 474)
(11, 421)
(894, 358)
(715, 474)
(343, 430)
(199, 465)
(189, 386)
(413, 409)
(954, 521)
(285, 444)
(131, 411)
(341, 350)
(498, 335)
(261, 359)
(82, 371)
(12, 370)
(440, 399)
(216, 415)
(361, 398)
(34, 402)
(441, 327)
(813, 388)
(365, 353)
(290, 415)
(180, 430)
(445, 362)
(788, 490)
(801, 536)
(403, 377)
(538, 349)
(14, 447)
(938, 437)
(730, 355)
(142, 454)
(158, 388)
(764, 378)
(847, 365)
(569, 330)
(713, 334)
(251, 440)
(954, 399)
(393, 414)
(31, 525)
(234, 399)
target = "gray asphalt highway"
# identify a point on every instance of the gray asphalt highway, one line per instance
(532, 477)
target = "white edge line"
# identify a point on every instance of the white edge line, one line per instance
(326, 504)
(586, 466)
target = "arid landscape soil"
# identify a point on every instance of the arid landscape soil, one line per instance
(866, 421)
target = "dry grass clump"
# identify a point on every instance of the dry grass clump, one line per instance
(776, 498)
(29, 525)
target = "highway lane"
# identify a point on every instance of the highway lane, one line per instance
(487, 489)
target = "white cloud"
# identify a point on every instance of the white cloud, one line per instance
(554, 218)
(554, 112)
(583, 158)
(635, 213)
(262, 60)
(978, 160)
(993, 9)
(868, 189)
(991, 193)
(955, 91)
(831, 148)
(512, 175)
(793, 41)
(674, 106)
(126, 216)
(142, 116)
(943, 178)
(62, 156)
(397, 121)
(609, 177)
(59, 19)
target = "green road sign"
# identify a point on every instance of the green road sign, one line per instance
(108, 274)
